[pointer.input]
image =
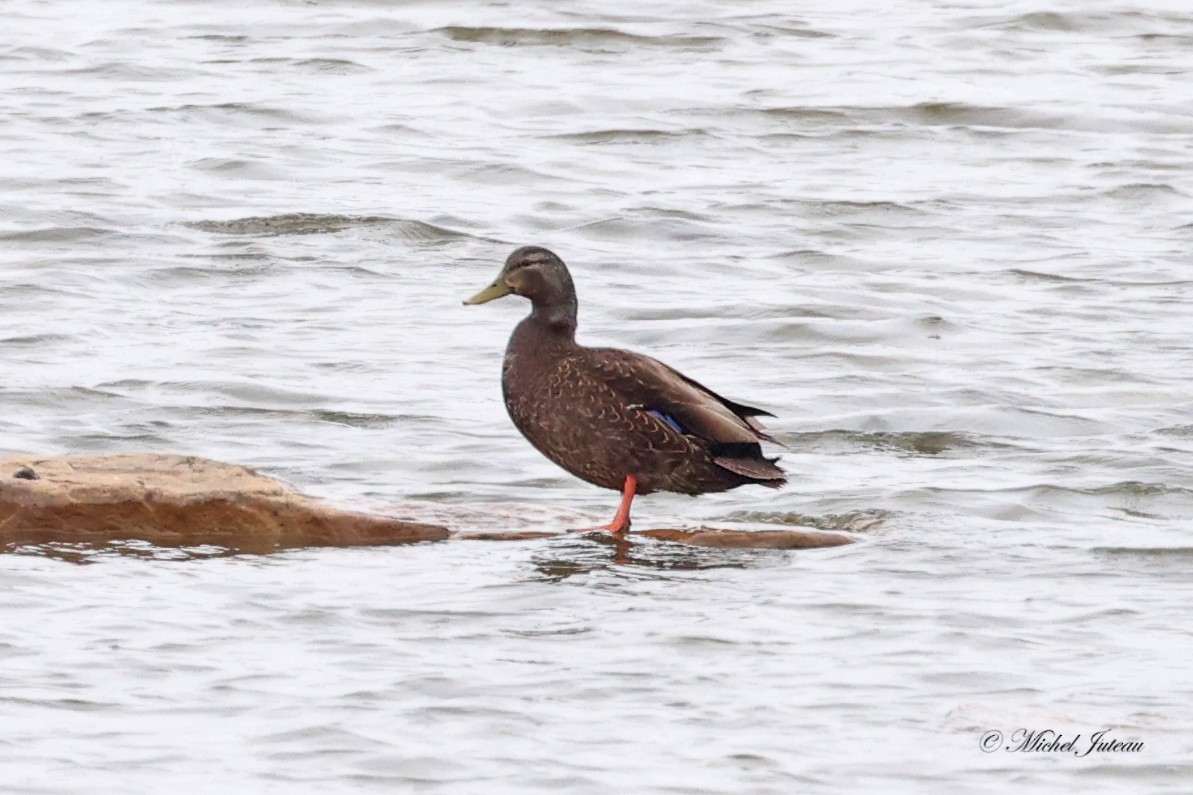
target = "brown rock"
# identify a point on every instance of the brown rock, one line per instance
(172, 500)
(181, 501)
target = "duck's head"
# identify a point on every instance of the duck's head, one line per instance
(535, 273)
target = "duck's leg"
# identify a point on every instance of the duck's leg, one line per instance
(621, 522)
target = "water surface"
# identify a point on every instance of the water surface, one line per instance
(947, 244)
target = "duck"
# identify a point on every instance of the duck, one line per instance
(617, 419)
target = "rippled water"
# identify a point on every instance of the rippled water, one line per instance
(948, 244)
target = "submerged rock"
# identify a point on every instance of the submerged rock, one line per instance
(700, 537)
(173, 500)
(751, 539)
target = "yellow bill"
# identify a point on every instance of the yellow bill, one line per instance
(497, 289)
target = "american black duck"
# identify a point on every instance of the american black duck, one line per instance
(617, 419)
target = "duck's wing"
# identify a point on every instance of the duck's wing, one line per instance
(652, 386)
(748, 414)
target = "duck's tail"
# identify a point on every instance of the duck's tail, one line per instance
(762, 471)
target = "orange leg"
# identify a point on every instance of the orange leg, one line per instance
(621, 522)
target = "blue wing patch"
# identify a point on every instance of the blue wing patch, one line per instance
(667, 418)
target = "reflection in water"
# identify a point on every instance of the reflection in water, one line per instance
(593, 552)
(570, 553)
(85, 553)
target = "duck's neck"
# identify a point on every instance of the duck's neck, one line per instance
(557, 318)
(537, 339)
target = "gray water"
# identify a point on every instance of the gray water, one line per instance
(948, 244)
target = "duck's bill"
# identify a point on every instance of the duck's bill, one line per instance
(498, 289)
